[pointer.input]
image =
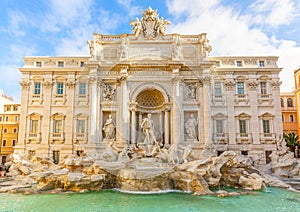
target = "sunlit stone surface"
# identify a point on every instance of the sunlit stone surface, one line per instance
(149, 111)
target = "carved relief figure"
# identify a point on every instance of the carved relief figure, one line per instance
(124, 49)
(109, 128)
(92, 47)
(148, 129)
(191, 91)
(190, 127)
(136, 27)
(108, 93)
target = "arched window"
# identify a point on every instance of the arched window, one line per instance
(281, 102)
(289, 102)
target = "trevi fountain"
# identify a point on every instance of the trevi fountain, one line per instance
(152, 165)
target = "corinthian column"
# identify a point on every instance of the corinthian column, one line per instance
(123, 108)
(177, 130)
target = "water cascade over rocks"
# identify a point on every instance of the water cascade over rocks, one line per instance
(138, 169)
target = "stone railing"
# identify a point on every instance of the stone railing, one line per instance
(244, 138)
(220, 138)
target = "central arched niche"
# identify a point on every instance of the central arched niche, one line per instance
(150, 99)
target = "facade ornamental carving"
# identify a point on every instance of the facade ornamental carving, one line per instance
(47, 83)
(24, 84)
(228, 62)
(150, 25)
(250, 61)
(229, 84)
(109, 92)
(109, 128)
(276, 84)
(252, 84)
(70, 83)
(190, 91)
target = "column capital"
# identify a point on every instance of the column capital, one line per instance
(132, 106)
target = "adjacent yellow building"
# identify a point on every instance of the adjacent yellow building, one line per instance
(297, 94)
(289, 112)
(9, 128)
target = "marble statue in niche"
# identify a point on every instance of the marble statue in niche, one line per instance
(190, 127)
(147, 126)
(109, 128)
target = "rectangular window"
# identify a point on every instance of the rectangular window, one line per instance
(82, 88)
(239, 63)
(34, 126)
(80, 126)
(219, 126)
(282, 118)
(37, 88)
(16, 118)
(263, 88)
(0, 118)
(60, 88)
(240, 88)
(291, 118)
(261, 63)
(266, 126)
(14, 143)
(60, 64)
(38, 64)
(82, 64)
(57, 126)
(218, 90)
(4, 143)
(6, 118)
(218, 63)
(242, 125)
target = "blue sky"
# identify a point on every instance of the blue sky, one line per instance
(62, 27)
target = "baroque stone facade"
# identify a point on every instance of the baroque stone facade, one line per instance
(80, 104)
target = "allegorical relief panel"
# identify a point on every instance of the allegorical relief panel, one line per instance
(109, 92)
(190, 91)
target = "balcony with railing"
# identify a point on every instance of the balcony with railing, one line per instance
(265, 98)
(241, 98)
(37, 98)
(220, 138)
(80, 138)
(57, 137)
(218, 98)
(33, 138)
(244, 138)
(267, 138)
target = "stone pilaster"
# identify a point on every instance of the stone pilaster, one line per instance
(177, 130)
(277, 107)
(254, 121)
(207, 121)
(123, 106)
(230, 93)
(21, 145)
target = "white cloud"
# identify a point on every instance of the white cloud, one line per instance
(132, 9)
(17, 19)
(274, 12)
(233, 33)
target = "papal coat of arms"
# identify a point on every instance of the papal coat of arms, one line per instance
(150, 25)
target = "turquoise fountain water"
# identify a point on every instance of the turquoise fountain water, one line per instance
(271, 199)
